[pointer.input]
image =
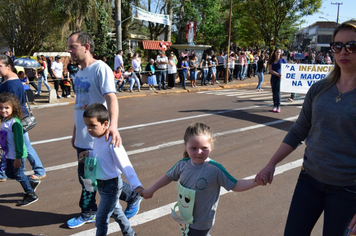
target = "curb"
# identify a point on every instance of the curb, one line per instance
(165, 92)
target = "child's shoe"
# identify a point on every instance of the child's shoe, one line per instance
(133, 208)
(34, 184)
(28, 199)
(79, 221)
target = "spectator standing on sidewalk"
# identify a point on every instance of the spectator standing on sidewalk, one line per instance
(94, 83)
(185, 68)
(136, 64)
(42, 74)
(119, 61)
(57, 70)
(179, 66)
(193, 66)
(72, 69)
(204, 65)
(49, 64)
(220, 68)
(172, 70)
(162, 62)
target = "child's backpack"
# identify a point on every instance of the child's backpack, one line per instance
(185, 204)
(89, 178)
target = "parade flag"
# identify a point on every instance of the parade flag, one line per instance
(140, 14)
(297, 78)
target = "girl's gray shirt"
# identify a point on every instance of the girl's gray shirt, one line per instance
(207, 183)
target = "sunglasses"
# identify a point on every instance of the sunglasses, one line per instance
(350, 47)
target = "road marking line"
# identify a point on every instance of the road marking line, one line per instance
(173, 143)
(156, 123)
(159, 212)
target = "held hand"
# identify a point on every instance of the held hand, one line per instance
(114, 133)
(82, 156)
(17, 163)
(352, 228)
(139, 190)
(146, 194)
(265, 175)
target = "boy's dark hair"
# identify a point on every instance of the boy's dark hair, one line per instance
(97, 110)
(15, 103)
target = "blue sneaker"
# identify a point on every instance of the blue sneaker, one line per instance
(133, 208)
(79, 221)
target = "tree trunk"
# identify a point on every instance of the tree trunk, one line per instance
(180, 25)
(168, 33)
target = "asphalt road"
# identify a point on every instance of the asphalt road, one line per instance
(152, 129)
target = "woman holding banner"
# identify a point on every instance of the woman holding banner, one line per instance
(275, 70)
(327, 123)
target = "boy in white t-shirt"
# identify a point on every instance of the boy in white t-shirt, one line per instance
(111, 162)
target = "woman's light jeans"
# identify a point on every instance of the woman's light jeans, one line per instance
(44, 80)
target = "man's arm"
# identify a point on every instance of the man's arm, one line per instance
(113, 108)
(73, 137)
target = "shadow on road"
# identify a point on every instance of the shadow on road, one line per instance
(22, 218)
(247, 115)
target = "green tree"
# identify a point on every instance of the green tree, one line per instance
(25, 24)
(273, 19)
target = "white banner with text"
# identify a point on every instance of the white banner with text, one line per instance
(141, 14)
(297, 78)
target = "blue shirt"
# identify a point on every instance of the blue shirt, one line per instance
(15, 87)
(277, 67)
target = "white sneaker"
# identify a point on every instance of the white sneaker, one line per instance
(209, 82)
(217, 82)
(150, 88)
(68, 96)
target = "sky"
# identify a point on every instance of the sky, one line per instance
(329, 12)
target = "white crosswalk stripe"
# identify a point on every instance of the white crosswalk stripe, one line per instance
(253, 95)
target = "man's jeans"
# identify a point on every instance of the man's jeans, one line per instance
(110, 191)
(32, 157)
(311, 198)
(161, 77)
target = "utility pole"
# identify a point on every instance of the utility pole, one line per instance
(118, 24)
(228, 46)
(338, 9)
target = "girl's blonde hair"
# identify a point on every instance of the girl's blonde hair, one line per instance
(197, 129)
(15, 103)
(335, 74)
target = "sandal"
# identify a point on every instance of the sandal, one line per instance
(37, 177)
